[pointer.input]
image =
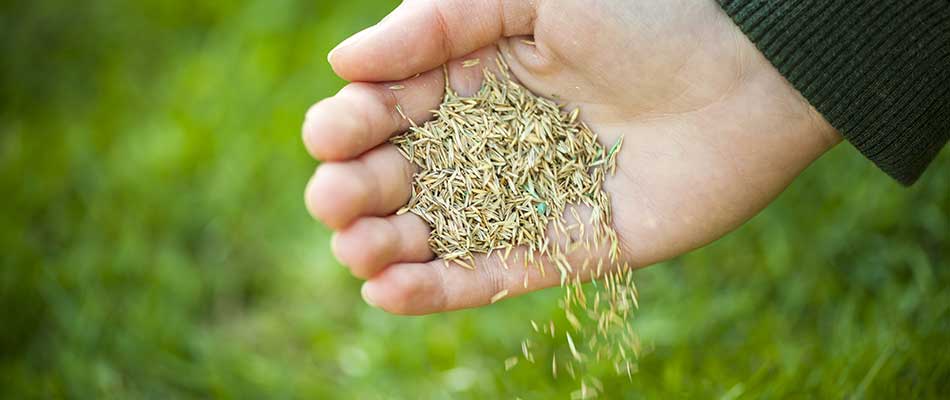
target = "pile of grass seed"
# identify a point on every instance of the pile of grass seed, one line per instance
(502, 169)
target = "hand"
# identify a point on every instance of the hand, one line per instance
(713, 133)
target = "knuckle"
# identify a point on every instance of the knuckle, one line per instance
(370, 186)
(540, 61)
(443, 28)
(389, 177)
(346, 182)
(378, 107)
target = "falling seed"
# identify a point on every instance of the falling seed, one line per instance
(573, 319)
(397, 87)
(510, 363)
(471, 63)
(570, 343)
(498, 296)
(526, 351)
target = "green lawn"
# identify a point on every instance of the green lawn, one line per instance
(156, 244)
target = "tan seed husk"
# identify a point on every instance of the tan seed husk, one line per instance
(498, 296)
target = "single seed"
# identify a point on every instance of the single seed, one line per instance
(570, 343)
(510, 363)
(498, 296)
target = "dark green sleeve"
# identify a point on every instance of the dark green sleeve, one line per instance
(877, 70)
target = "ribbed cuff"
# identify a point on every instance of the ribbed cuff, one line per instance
(878, 71)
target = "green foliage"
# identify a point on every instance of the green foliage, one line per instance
(156, 244)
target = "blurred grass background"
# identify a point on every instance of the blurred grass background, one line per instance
(155, 243)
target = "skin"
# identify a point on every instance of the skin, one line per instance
(713, 133)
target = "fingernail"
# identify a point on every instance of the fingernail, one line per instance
(365, 293)
(349, 41)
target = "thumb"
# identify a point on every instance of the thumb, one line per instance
(423, 34)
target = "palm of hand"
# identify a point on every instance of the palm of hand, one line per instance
(712, 131)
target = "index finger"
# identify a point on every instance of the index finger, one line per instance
(423, 34)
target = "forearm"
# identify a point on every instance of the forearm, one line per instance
(879, 71)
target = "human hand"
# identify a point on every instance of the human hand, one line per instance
(713, 132)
